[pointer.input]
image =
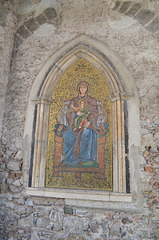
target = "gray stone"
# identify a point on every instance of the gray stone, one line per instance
(19, 210)
(3, 175)
(29, 202)
(31, 25)
(81, 212)
(14, 189)
(29, 210)
(117, 4)
(41, 19)
(133, 10)
(23, 32)
(19, 155)
(50, 13)
(16, 183)
(78, 224)
(115, 229)
(50, 226)
(13, 165)
(34, 236)
(9, 204)
(68, 210)
(3, 188)
(144, 16)
(41, 222)
(154, 26)
(157, 36)
(156, 159)
(94, 227)
(17, 41)
(124, 7)
(26, 222)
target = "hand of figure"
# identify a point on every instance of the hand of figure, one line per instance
(79, 113)
(87, 124)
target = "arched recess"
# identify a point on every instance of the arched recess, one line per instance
(123, 96)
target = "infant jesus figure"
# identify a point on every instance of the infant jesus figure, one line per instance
(81, 114)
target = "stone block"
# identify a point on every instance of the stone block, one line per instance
(26, 222)
(31, 25)
(117, 4)
(144, 16)
(68, 210)
(124, 7)
(4, 188)
(133, 10)
(23, 32)
(14, 189)
(16, 183)
(41, 222)
(17, 41)
(50, 13)
(115, 229)
(41, 19)
(154, 26)
(19, 210)
(13, 166)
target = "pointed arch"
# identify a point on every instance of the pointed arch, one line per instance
(124, 97)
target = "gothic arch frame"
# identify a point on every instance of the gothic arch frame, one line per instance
(123, 92)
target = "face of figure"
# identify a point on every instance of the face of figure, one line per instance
(83, 89)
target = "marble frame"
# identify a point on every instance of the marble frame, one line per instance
(122, 89)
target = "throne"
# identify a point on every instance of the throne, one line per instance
(58, 170)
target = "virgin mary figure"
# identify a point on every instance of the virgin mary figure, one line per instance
(80, 144)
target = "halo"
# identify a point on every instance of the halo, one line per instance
(89, 80)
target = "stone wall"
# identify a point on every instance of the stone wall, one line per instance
(131, 30)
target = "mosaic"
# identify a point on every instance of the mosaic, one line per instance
(79, 154)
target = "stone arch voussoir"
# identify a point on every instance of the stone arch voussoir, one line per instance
(49, 15)
(144, 16)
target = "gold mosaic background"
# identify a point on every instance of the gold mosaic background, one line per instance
(66, 89)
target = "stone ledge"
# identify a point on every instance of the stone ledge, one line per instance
(81, 195)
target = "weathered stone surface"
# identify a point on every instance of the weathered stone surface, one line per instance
(17, 41)
(134, 9)
(16, 183)
(144, 16)
(13, 165)
(4, 188)
(41, 222)
(154, 25)
(29, 202)
(31, 25)
(19, 209)
(23, 32)
(117, 4)
(124, 7)
(34, 236)
(78, 225)
(41, 19)
(68, 210)
(26, 221)
(50, 13)
(115, 229)
(3, 174)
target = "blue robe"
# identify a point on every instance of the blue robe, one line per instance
(88, 147)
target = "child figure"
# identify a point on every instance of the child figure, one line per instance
(81, 121)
